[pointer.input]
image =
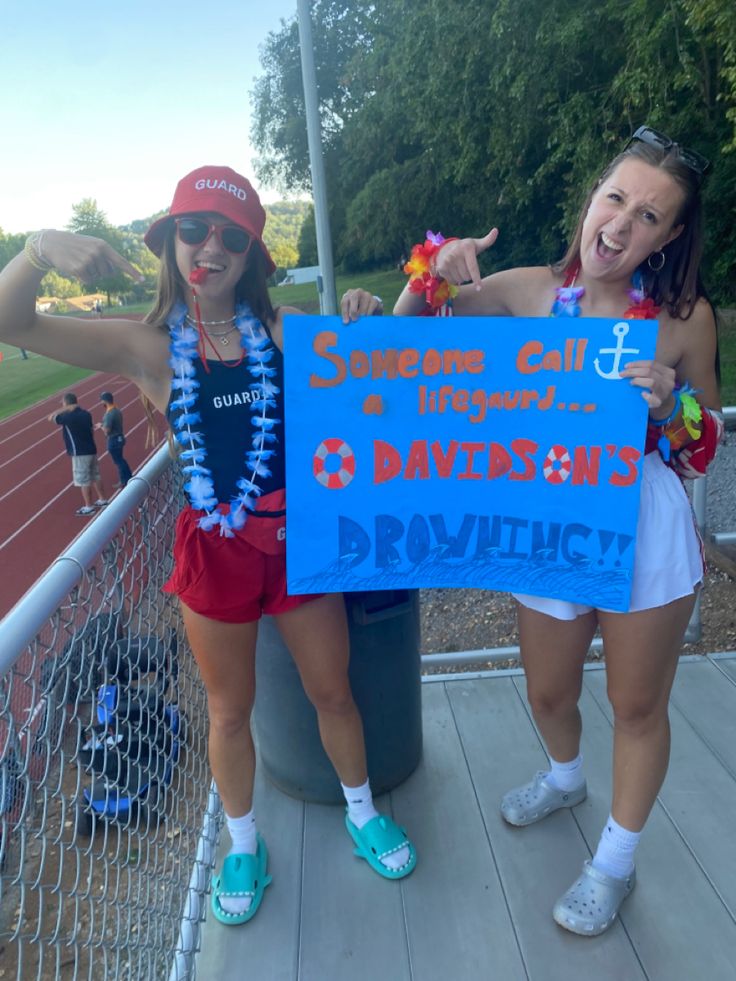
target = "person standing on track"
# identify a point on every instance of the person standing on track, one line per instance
(79, 440)
(112, 426)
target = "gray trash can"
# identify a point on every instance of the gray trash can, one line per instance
(385, 676)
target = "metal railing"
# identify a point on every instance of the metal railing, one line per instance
(104, 779)
(726, 537)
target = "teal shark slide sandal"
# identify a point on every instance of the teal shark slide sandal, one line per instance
(241, 875)
(378, 838)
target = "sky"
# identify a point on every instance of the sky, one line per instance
(116, 103)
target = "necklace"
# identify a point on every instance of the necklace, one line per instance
(223, 336)
(204, 339)
(566, 303)
(200, 489)
(210, 323)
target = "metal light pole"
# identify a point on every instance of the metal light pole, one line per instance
(319, 191)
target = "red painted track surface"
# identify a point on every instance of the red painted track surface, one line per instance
(37, 498)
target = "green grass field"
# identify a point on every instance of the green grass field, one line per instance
(22, 383)
(387, 285)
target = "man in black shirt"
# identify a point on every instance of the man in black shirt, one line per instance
(79, 441)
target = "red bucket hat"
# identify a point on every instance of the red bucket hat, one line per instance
(217, 189)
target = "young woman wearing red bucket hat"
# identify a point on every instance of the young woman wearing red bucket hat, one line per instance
(209, 357)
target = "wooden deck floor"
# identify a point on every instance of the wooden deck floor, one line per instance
(478, 904)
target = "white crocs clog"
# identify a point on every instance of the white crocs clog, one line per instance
(536, 799)
(592, 902)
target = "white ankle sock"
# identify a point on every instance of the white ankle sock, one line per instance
(243, 834)
(615, 852)
(361, 810)
(360, 803)
(566, 776)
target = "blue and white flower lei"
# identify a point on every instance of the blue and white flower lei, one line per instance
(566, 301)
(200, 488)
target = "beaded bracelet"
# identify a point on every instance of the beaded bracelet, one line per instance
(437, 291)
(661, 423)
(34, 254)
(692, 415)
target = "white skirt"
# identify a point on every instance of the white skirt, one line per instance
(668, 561)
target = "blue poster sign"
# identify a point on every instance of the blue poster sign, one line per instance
(501, 453)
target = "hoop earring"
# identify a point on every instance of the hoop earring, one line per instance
(662, 260)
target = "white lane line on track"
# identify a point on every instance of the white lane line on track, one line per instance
(50, 502)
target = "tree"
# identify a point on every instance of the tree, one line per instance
(283, 222)
(54, 284)
(482, 112)
(10, 246)
(342, 32)
(88, 219)
(141, 225)
(307, 243)
(343, 35)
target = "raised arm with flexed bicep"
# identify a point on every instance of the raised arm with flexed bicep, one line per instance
(111, 345)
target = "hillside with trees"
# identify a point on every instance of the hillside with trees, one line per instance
(284, 220)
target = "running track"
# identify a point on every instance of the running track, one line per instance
(37, 498)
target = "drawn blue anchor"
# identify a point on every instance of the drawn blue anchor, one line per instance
(620, 330)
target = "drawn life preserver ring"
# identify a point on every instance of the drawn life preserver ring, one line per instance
(338, 478)
(557, 474)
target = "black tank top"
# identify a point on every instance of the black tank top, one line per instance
(224, 402)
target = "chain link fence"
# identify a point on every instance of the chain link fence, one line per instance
(104, 782)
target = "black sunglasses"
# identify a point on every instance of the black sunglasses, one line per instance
(196, 231)
(691, 158)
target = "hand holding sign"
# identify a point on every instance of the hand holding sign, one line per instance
(657, 381)
(359, 303)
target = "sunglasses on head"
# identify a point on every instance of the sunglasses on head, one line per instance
(196, 231)
(691, 158)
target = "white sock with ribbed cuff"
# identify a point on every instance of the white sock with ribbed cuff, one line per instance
(615, 852)
(566, 776)
(242, 833)
(361, 808)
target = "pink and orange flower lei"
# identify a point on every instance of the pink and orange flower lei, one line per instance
(437, 291)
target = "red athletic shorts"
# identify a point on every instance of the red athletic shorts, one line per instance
(227, 579)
